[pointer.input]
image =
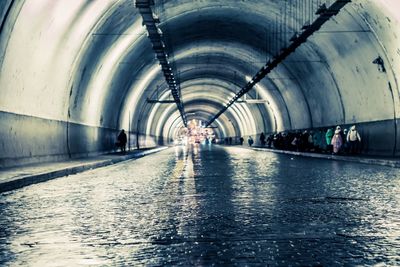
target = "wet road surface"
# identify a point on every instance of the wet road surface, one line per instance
(205, 205)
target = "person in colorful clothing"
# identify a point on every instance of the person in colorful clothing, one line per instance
(328, 137)
(337, 140)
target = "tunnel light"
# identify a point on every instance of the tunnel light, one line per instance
(248, 78)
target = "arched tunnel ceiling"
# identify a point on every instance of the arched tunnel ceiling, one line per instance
(99, 67)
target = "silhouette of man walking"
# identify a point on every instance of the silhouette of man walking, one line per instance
(122, 140)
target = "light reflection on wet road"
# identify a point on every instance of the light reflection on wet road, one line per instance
(207, 205)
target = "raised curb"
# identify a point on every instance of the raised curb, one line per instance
(22, 181)
(375, 161)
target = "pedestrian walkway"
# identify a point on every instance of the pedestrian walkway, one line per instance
(17, 177)
(383, 161)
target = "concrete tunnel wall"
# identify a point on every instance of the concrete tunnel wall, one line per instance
(73, 73)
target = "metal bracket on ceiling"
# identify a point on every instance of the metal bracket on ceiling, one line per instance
(251, 101)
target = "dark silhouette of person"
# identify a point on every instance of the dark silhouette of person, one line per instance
(354, 139)
(262, 139)
(269, 140)
(122, 140)
(241, 140)
(230, 140)
(250, 141)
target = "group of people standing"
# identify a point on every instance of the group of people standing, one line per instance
(343, 141)
(335, 141)
(331, 140)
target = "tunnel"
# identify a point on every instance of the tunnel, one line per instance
(73, 73)
(193, 83)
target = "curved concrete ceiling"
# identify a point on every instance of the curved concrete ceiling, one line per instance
(90, 63)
